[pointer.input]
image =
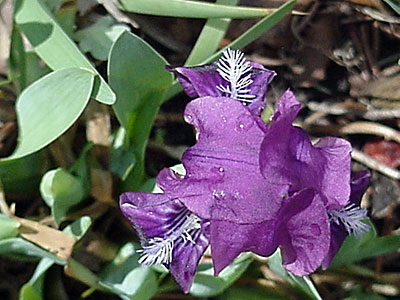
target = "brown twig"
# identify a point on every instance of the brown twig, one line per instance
(374, 164)
(371, 128)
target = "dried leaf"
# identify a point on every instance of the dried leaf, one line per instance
(98, 129)
(50, 239)
(383, 87)
(101, 183)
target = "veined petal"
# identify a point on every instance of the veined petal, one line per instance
(187, 256)
(226, 158)
(169, 233)
(229, 239)
(230, 76)
(305, 236)
(199, 81)
(288, 157)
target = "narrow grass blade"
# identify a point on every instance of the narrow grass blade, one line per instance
(210, 37)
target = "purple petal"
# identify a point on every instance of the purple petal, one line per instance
(359, 184)
(226, 158)
(187, 257)
(228, 240)
(163, 223)
(199, 81)
(288, 157)
(147, 212)
(203, 80)
(305, 237)
(338, 235)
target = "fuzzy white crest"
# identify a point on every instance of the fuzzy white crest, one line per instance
(235, 69)
(159, 250)
(351, 217)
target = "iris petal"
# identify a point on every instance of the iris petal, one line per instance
(169, 233)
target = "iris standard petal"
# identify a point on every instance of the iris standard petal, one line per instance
(226, 157)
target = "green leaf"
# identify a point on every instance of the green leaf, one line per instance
(79, 227)
(256, 30)
(19, 248)
(210, 37)
(82, 273)
(17, 59)
(303, 284)
(47, 108)
(61, 191)
(22, 175)
(80, 168)
(54, 46)
(207, 285)
(137, 75)
(125, 277)
(8, 227)
(122, 158)
(242, 41)
(395, 5)
(33, 289)
(98, 38)
(368, 245)
(34, 68)
(249, 293)
(192, 9)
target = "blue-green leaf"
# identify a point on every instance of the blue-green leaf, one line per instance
(366, 246)
(137, 75)
(8, 227)
(98, 38)
(54, 46)
(61, 191)
(303, 284)
(192, 9)
(207, 285)
(33, 289)
(48, 107)
(210, 37)
(22, 249)
(125, 277)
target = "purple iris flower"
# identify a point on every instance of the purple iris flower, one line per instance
(247, 186)
(223, 199)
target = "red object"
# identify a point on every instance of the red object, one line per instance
(384, 152)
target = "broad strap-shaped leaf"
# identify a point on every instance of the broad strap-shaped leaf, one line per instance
(192, 9)
(99, 37)
(47, 108)
(137, 75)
(54, 46)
